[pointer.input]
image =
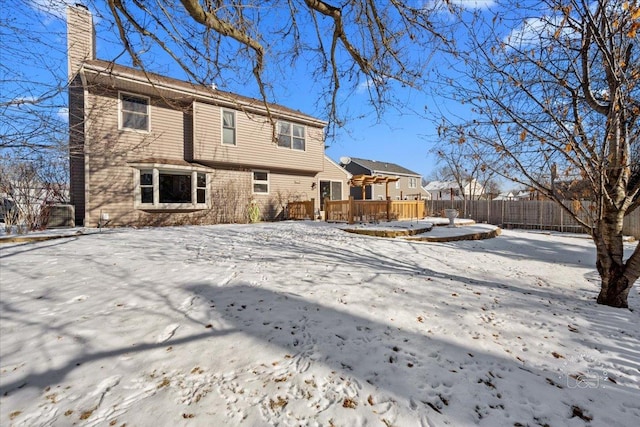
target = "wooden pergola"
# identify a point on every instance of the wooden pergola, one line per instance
(364, 180)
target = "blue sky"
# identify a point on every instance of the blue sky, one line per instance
(398, 136)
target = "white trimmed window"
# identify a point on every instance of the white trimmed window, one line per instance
(228, 127)
(160, 188)
(146, 186)
(201, 188)
(413, 182)
(291, 135)
(134, 112)
(397, 183)
(260, 181)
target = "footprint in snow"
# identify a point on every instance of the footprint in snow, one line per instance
(167, 333)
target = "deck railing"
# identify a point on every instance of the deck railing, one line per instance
(373, 210)
(300, 210)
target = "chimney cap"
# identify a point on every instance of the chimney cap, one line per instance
(81, 6)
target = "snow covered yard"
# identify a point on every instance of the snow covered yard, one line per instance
(301, 323)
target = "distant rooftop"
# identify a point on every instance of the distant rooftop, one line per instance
(383, 167)
(441, 185)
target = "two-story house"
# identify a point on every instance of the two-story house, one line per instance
(407, 184)
(147, 149)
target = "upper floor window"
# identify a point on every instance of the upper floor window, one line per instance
(228, 127)
(413, 182)
(291, 135)
(260, 182)
(134, 112)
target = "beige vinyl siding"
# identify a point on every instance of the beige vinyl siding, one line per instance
(284, 188)
(184, 132)
(254, 144)
(165, 138)
(110, 150)
(113, 193)
(333, 172)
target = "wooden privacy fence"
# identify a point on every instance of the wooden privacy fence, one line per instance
(534, 214)
(373, 210)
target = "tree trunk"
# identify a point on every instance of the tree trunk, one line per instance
(615, 285)
(617, 276)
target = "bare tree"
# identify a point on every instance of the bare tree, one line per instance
(465, 164)
(553, 88)
(346, 46)
(33, 110)
(33, 103)
(29, 187)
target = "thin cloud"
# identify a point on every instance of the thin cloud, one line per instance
(364, 86)
(534, 31)
(474, 4)
(440, 5)
(63, 114)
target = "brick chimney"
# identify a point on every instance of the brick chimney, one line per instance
(81, 38)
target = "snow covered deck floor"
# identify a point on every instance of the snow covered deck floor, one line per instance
(424, 230)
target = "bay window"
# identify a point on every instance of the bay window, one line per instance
(146, 186)
(160, 188)
(174, 187)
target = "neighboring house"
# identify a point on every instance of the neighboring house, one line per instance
(526, 195)
(151, 150)
(407, 187)
(450, 190)
(505, 196)
(574, 189)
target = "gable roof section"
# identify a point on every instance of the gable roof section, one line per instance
(116, 75)
(383, 167)
(329, 160)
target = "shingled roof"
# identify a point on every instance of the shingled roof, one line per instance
(383, 167)
(111, 69)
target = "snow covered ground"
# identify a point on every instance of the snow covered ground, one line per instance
(301, 323)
